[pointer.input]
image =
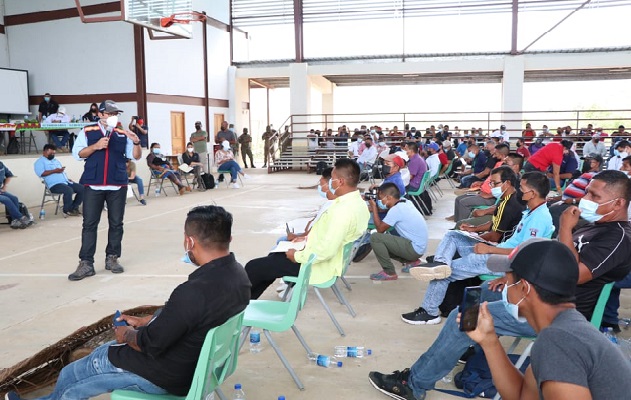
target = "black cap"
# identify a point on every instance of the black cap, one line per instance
(549, 264)
(503, 127)
(596, 157)
(567, 144)
(109, 106)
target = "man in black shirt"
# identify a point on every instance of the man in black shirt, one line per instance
(158, 355)
(47, 107)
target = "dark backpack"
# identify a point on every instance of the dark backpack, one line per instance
(14, 146)
(454, 294)
(209, 181)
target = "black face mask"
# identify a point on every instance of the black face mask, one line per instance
(93, 110)
(385, 170)
(50, 156)
(368, 145)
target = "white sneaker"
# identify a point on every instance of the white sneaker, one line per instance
(235, 186)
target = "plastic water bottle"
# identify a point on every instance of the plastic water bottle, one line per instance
(609, 334)
(238, 392)
(351, 351)
(42, 214)
(281, 397)
(157, 191)
(324, 361)
(255, 341)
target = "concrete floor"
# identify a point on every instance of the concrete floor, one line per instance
(40, 306)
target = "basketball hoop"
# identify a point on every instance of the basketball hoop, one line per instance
(182, 18)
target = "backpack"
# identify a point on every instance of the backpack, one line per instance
(23, 210)
(14, 146)
(454, 294)
(209, 181)
(475, 378)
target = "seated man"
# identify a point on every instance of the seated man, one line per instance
(52, 172)
(59, 137)
(161, 167)
(535, 222)
(134, 178)
(392, 165)
(481, 165)
(367, 153)
(603, 250)
(622, 149)
(433, 159)
(416, 165)
(570, 359)
(410, 243)
(343, 222)
(158, 355)
(10, 201)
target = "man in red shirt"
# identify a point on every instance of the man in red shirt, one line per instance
(551, 155)
(522, 150)
(528, 134)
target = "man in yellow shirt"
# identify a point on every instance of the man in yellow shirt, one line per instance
(343, 222)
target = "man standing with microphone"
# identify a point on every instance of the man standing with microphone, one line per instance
(105, 148)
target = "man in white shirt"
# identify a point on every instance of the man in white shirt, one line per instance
(353, 148)
(595, 146)
(59, 137)
(433, 162)
(622, 150)
(369, 155)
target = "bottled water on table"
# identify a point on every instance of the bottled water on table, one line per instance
(352, 351)
(324, 361)
(255, 341)
(239, 394)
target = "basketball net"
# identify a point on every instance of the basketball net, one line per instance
(181, 18)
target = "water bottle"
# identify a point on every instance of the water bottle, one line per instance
(351, 351)
(281, 397)
(255, 341)
(42, 214)
(609, 334)
(238, 392)
(157, 191)
(324, 361)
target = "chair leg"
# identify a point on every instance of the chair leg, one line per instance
(339, 294)
(301, 339)
(348, 285)
(245, 332)
(328, 311)
(514, 345)
(283, 360)
(220, 393)
(57, 207)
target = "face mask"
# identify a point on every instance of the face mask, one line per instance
(156, 151)
(112, 121)
(512, 309)
(386, 170)
(331, 186)
(373, 131)
(186, 258)
(321, 192)
(382, 143)
(624, 154)
(93, 110)
(360, 141)
(471, 154)
(190, 149)
(588, 210)
(381, 205)
(50, 156)
(616, 153)
(47, 99)
(368, 145)
(497, 192)
(545, 130)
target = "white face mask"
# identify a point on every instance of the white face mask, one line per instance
(112, 121)
(588, 209)
(190, 149)
(513, 309)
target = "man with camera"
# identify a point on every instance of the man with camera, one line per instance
(138, 126)
(403, 216)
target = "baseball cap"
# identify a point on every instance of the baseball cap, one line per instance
(503, 127)
(198, 122)
(403, 155)
(447, 143)
(395, 159)
(62, 110)
(433, 146)
(596, 157)
(109, 106)
(549, 264)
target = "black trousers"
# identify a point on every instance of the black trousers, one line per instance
(264, 271)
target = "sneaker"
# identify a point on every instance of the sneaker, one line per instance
(143, 202)
(17, 224)
(362, 252)
(383, 276)
(12, 396)
(84, 270)
(465, 356)
(406, 267)
(71, 213)
(420, 317)
(111, 264)
(394, 385)
(435, 270)
(235, 185)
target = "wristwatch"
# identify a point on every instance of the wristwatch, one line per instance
(136, 144)
(574, 201)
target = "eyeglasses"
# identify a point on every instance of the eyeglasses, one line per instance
(494, 184)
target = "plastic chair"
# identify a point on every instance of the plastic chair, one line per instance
(185, 174)
(278, 316)
(227, 171)
(414, 196)
(217, 361)
(157, 180)
(448, 171)
(54, 197)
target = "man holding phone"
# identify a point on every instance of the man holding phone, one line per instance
(138, 126)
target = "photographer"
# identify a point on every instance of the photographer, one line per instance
(411, 242)
(138, 126)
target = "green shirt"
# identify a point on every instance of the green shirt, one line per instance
(343, 222)
(200, 146)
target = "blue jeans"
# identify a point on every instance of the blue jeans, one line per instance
(60, 138)
(12, 204)
(141, 187)
(92, 209)
(67, 190)
(469, 265)
(451, 343)
(611, 308)
(467, 180)
(232, 167)
(94, 375)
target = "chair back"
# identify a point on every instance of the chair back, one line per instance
(427, 178)
(350, 249)
(299, 292)
(599, 309)
(218, 358)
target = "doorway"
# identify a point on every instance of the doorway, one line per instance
(178, 135)
(218, 119)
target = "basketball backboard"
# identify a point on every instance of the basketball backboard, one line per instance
(149, 12)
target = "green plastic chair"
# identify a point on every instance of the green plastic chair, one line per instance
(227, 171)
(414, 196)
(278, 316)
(448, 171)
(217, 361)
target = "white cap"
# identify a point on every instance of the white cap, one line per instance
(62, 110)
(403, 155)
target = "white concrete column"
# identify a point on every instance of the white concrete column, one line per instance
(512, 94)
(239, 100)
(300, 100)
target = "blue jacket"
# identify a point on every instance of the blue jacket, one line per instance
(107, 166)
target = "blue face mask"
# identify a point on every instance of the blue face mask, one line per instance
(616, 153)
(321, 192)
(331, 186)
(588, 210)
(381, 205)
(186, 258)
(156, 151)
(497, 191)
(513, 309)
(471, 154)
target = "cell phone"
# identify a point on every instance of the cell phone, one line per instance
(287, 229)
(470, 308)
(119, 323)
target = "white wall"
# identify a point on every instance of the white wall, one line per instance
(218, 9)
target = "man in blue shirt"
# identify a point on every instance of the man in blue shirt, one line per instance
(52, 172)
(392, 165)
(569, 165)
